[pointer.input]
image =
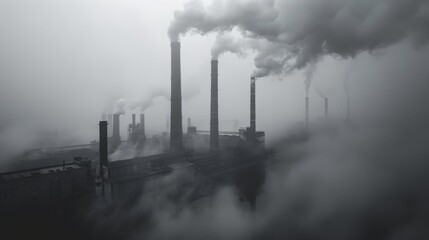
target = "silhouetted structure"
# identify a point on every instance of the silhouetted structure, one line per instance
(307, 111)
(176, 99)
(214, 114)
(116, 137)
(103, 148)
(326, 107)
(68, 183)
(253, 104)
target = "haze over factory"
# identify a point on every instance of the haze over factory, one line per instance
(241, 119)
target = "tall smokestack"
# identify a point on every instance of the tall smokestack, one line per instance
(103, 146)
(348, 109)
(306, 111)
(326, 107)
(134, 119)
(176, 98)
(252, 105)
(142, 125)
(116, 137)
(214, 107)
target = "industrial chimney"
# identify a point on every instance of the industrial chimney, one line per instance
(214, 112)
(116, 137)
(103, 153)
(348, 109)
(142, 125)
(306, 110)
(103, 146)
(252, 105)
(134, 119)
(326, 107)
(176, 99)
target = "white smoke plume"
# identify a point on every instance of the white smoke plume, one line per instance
(227, 43)
(119, 107)
(148, 101)
(304, 30)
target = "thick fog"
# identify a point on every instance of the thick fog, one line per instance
(364, 179)
(64, 63)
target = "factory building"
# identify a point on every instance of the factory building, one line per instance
(136, 132)
(212, 154)
(129, 178)
(69, 183)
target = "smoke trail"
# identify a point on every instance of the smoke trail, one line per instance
(346, 84)
(307, 30)
(320, 92)
(308, 73)
(147, 102)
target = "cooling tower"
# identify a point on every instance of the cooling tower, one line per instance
(142, 125)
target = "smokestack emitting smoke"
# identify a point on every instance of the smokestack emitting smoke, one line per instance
(348, 109)
(119, 106)
(103, 146)
(307, 111)
(214, 108)
(309, 72)
(142, 124)
(134, 119)
(116, 137)
(253, 105)
(176, 98)
(347, 91)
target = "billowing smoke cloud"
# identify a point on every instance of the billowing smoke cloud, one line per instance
(365, 182)
(221, 15)
(303, 31)
(119, 107)
(227, 43)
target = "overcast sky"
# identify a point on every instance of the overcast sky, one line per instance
(62, 63)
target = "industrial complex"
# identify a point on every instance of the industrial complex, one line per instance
(211, 158)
